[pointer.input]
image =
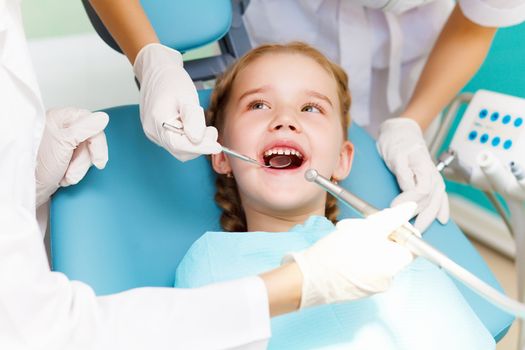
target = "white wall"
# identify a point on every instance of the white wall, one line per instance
(81, 70)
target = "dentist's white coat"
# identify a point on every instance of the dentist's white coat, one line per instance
(383, 52)
(40, 309)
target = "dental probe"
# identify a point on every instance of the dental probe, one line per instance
(405, 235)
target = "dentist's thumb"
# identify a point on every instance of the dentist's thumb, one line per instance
(192, 116)
(391, 219)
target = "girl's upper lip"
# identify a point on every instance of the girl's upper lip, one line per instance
(284, 144)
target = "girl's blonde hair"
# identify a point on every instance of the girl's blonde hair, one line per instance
(227, 195)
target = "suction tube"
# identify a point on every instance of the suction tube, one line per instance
(405, 236)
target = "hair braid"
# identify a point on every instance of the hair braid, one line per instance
(228, 199)
(331, 210)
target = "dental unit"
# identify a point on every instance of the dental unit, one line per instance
(487, 144)
(488, 153)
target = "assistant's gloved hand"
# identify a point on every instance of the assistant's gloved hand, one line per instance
(404, 151)
(356, 260)
(167, 94)
(73, 140)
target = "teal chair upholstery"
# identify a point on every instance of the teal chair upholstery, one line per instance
(177, 27)
(130, 224)
(168, 17)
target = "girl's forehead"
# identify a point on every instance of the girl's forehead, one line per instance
(284, 69)
(291, 63)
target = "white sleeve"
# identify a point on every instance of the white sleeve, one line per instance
(40, 309)
(494, 13)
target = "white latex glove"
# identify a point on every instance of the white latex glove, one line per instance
(167, 94)
(73, 140)
(356, 260)
(404, 151)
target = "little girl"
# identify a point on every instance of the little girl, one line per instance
(291, 100)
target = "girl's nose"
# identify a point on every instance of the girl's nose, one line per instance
(285, 121)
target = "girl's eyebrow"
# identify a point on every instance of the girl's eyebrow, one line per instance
(254, 91)
(264, 88)
(319, 96)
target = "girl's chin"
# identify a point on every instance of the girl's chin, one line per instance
(282, 179)
(281, 188)
(286, 202)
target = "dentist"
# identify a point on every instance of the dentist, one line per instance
(41, 309)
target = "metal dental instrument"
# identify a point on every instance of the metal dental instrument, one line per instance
(445, 159)
(277, 162)
(405, 236)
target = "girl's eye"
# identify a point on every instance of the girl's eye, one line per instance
(259, 105)
(312, 108)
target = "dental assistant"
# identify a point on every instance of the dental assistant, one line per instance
(41, 309)
(406, 60)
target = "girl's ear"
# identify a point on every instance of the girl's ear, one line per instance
(344, 165)
(221, 163)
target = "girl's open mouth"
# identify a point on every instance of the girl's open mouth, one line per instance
(288, 157)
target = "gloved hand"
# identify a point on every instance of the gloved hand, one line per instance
(167, 94)
(356, 260)
(404, 151)
(73, 140)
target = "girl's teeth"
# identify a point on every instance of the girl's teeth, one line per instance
(283, 152)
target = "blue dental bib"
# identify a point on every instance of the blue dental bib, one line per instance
(422, 309)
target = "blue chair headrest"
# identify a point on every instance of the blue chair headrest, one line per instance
(173, 24)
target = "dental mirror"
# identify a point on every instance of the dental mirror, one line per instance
(281, 161)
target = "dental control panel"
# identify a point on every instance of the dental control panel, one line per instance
(491, 136)
(492, 122)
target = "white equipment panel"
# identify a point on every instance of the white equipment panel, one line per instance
(492, 122)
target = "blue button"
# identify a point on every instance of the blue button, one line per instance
(472, 135)
(484, 138)
(496, 141)
(518, 122)
(483, 113)
(494, 116)
(506, 119)
(507, 144)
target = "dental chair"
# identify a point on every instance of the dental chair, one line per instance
(129, 225)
